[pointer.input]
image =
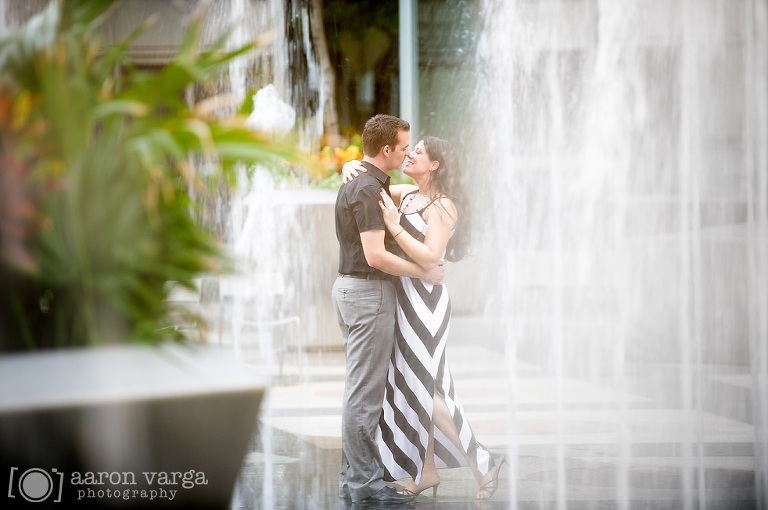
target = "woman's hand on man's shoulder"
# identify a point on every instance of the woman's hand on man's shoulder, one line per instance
(350, 170)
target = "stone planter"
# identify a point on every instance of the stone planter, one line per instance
(126, 426)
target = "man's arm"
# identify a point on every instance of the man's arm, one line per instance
(379, 258)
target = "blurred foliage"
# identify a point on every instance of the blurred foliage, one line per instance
(328, 161)
(99, 178)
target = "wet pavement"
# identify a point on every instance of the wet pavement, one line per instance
(578, 444)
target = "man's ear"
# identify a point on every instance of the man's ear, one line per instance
(386, 150)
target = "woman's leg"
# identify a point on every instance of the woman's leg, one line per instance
(429, 475)
(441, 418)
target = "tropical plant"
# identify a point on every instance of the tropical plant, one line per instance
(100, 170)
(327, 162)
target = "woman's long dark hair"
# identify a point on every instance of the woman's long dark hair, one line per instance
(447, 180)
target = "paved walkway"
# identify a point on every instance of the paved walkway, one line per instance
(577, 444)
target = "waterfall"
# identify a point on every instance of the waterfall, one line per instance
(268, 298)
(620, 161)
(617, 153)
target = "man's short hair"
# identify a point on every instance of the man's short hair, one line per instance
(382, 130)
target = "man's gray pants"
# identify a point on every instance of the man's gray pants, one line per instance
(366, 313)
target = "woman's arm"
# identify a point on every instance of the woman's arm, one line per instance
(440, 223)
(351, 169)
(378, 257)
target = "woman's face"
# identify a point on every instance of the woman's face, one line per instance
(419, 164)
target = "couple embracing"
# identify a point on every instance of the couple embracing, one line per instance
(400, 416)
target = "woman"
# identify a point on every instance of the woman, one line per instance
(422, 426)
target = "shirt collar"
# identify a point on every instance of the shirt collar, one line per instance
(376, 172)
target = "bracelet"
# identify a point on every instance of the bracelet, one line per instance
(401, 231)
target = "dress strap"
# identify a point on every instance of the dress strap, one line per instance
(424, 207)
(420, 209)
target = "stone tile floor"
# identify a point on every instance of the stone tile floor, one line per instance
(615, 449)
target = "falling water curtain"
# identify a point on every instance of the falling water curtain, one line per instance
(756, 124)
(633, 138)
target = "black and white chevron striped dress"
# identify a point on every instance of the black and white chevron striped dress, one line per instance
(417, 370)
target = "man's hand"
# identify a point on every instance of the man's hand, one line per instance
(350, 170)
(436, 275)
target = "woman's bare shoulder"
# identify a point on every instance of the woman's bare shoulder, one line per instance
(445, 208)
(446, 203)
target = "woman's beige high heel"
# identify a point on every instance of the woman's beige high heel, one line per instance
(491, 485)
(416, 493)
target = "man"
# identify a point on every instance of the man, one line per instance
(364, 298)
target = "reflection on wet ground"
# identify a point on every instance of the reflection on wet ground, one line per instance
(306, 476)
(579, 442)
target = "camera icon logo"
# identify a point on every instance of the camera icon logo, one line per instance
(35, 485)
